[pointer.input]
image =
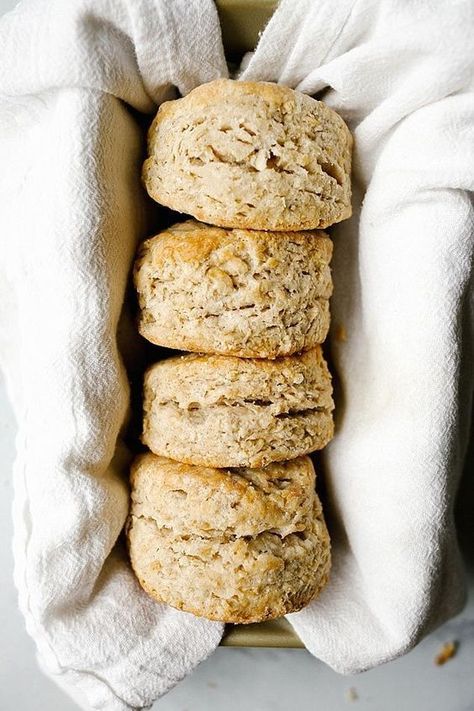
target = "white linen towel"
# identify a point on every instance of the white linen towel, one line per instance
(71, 213)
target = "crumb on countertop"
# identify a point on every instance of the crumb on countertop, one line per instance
(447, 652)
(351, 694)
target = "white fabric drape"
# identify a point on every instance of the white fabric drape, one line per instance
(71, 213)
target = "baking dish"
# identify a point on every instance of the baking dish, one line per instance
(242, 21)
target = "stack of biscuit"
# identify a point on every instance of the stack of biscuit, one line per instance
(225, 521)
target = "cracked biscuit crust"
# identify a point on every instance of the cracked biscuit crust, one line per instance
(234, 292)
(223, 411)
(252, 155)
(231, 502)
(231, 568)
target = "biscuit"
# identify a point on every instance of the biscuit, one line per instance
(234, 571)
(235, 502)
(252, 155)
(234, 292)
(222, 411)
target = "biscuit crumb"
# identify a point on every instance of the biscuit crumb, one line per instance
(341, 334)
(351, 694)
(447, 652)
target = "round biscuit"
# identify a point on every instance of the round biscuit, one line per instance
(253, 155)
(232, 502)
(222, 411)
(234, 292)
(237, 571)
